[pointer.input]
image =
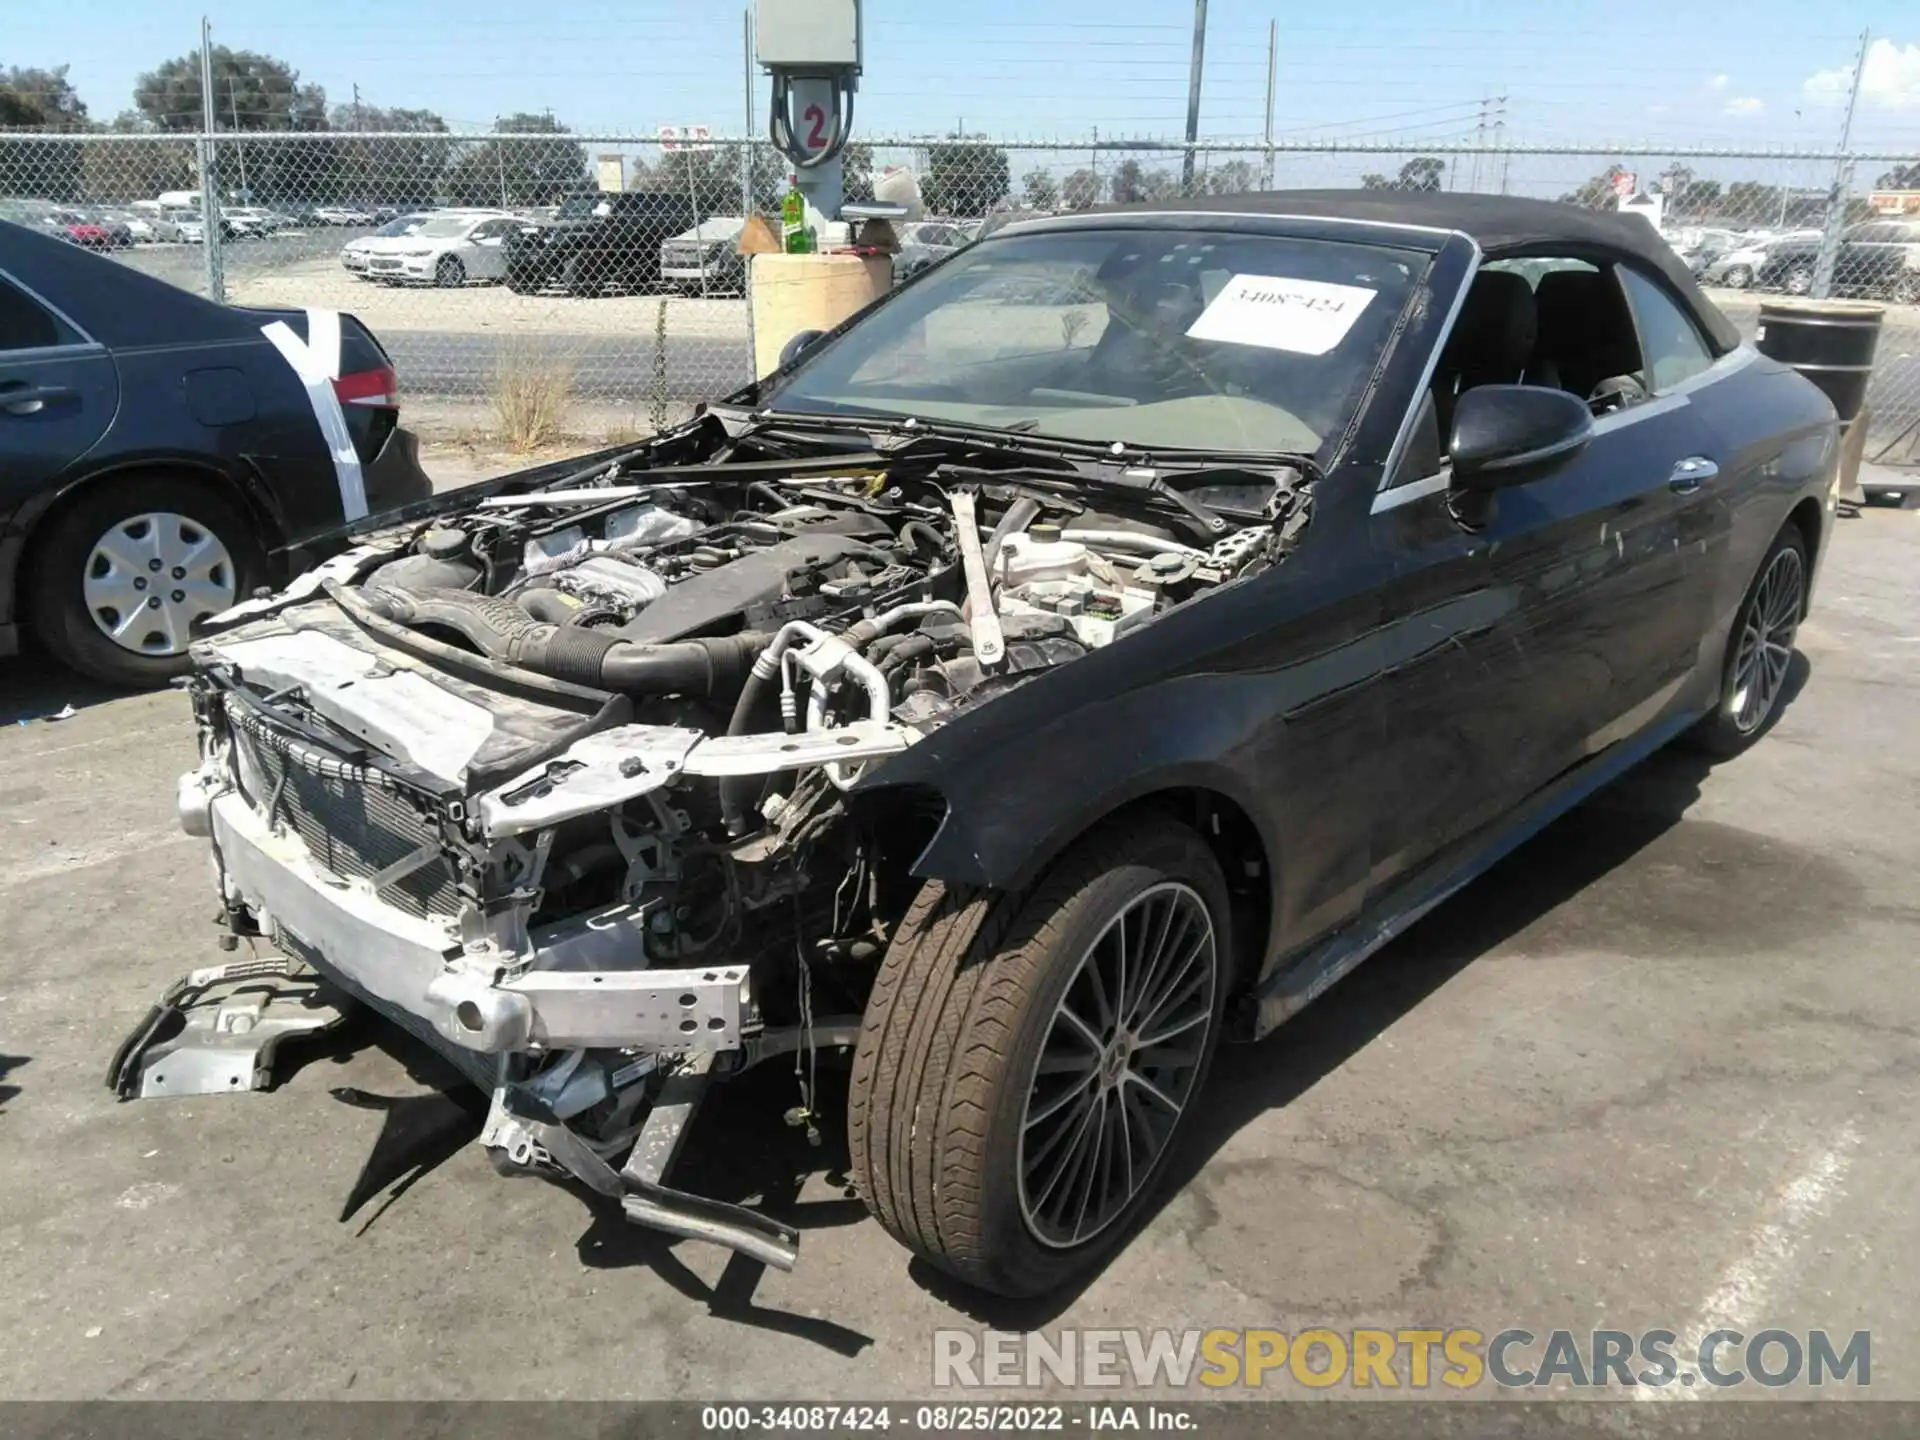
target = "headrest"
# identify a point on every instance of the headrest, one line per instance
(1497, 325)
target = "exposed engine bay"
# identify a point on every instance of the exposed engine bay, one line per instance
(574, 781)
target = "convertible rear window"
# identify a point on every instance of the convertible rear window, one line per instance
(1176, 339)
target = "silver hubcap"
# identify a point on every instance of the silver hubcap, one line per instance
(1799, 282)
(151, 576)
(1117, 1068)
(1766, 641)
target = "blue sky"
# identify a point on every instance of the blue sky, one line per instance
(1632, 73)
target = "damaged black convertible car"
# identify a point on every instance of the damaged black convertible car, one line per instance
(1088, 654)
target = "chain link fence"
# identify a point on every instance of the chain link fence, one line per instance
(552, 286)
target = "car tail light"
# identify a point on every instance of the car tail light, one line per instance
(379, 387)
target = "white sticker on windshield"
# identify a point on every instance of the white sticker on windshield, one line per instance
(1308, 317)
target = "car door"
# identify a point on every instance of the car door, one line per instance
(486, 257)
(1563, 616)
(58, 394)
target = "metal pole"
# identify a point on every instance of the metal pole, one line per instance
(500, 161)
(1273, 66)
(746, 146)
(1193, 93)
(1842, 177)
(209, 183)
(233, 108)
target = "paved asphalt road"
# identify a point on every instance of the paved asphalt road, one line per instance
(1657, 1070)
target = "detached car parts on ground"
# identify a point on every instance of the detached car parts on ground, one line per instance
(1091, 651)
(162, 456)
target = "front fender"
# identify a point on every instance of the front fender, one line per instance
(1013, 806)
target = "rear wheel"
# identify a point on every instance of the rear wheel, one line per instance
(1760, 651)
(119, 578)
(1027, 1060)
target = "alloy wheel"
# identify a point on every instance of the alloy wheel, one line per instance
(1118, 1065)
(1766, 640)
(150, 577)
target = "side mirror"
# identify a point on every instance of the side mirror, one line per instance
(1510, 434)
(790, 352)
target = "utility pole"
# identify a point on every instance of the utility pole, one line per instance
(1500, 142)
(1193, 93)
(356, 107)
(1842, 183)
(1273, 67)
(209, 182)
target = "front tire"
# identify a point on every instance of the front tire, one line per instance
(94, 594)
(1759, 655)
(450, 272)
(1017, 1090)
(1738, 277)
(1798, 281)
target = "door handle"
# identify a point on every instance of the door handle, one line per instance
(30, 399)
(1690, 474)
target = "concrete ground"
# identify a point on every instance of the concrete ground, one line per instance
(1657, 1070)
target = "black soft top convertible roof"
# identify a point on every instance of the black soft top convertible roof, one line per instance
(1505, 226)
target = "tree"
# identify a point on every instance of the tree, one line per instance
(711, 175)
(1081, 190)
(390, 171)
(1597, 193)
(33, 99)
(250, 92)
(520, 172)
(1901, 177)
(964, 177)
(1040, 189)
(1129, 183)
(138, 167)
(40, 100)
(1234, 177)
(1422, 172)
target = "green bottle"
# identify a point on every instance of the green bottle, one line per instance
(795, 238)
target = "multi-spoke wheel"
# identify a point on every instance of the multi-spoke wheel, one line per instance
(1117, 1069)
(1760, 650)
(1027, 1061)
(122, 575)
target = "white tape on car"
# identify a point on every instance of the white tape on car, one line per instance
(316, 361)
(1308, 317)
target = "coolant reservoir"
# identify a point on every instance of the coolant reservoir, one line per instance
(1040, 554)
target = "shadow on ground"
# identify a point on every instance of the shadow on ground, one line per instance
(34, 688)
(1548, 889)
(9, 1064)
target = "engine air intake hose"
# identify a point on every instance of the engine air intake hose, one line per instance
(502, 630)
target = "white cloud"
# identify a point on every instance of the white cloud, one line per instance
(1718, 82)
(1891, 80)
(1745, 105)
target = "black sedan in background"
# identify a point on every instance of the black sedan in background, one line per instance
(162, 456)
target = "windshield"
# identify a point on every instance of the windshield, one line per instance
(405, 225)
(1157, 338)
(582, 207)
(444, 229)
